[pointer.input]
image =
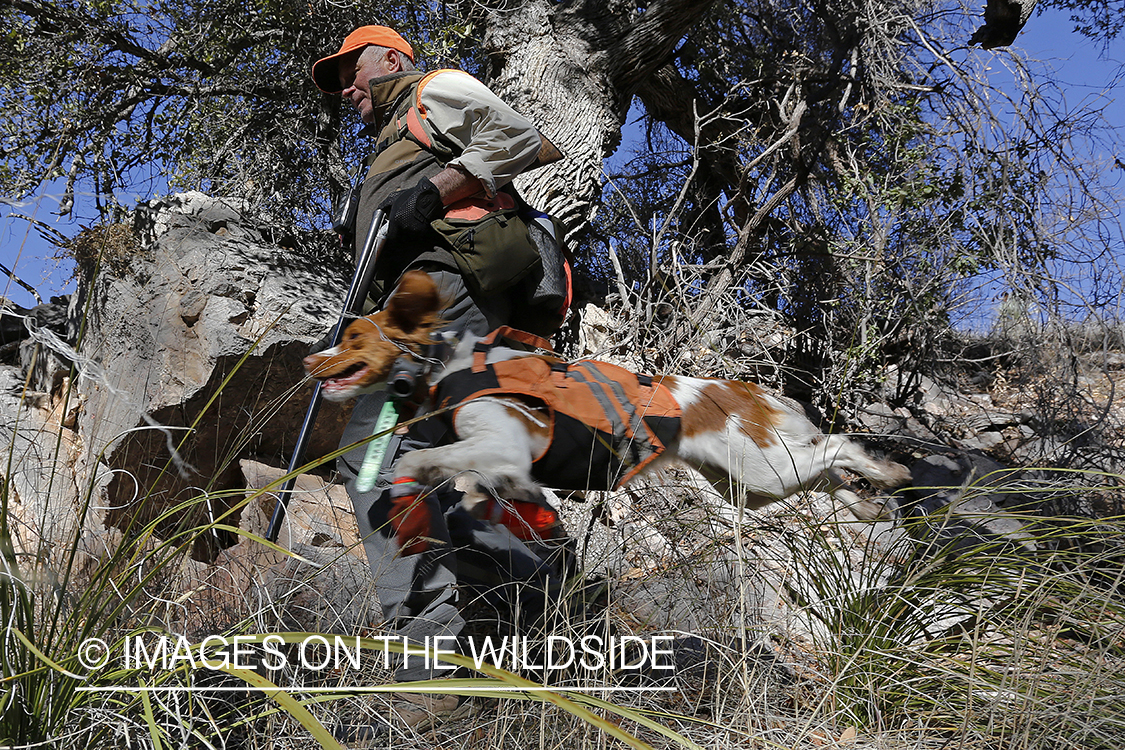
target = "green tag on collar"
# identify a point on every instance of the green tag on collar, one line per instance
(377, 448)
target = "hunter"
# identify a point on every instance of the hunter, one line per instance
(446, 149)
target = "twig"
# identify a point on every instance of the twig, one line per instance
(21, 282)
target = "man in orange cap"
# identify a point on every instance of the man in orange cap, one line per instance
(445, 138)
(447, 150)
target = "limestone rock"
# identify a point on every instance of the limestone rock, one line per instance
(322, 583)
(194, 355)
(319, 514)
(966, 499)
(189, 394)
(882, 419)
(43, 510)
(327, 585)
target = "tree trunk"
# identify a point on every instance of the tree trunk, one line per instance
(572, 69)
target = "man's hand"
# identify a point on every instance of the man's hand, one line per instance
(409, 212)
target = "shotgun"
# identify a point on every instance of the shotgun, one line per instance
(353, 307)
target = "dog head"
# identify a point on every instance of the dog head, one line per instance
(362, 360)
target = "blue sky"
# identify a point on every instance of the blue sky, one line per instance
(1084, 69)
(1090, 76)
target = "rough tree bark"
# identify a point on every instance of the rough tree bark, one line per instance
(573, 69)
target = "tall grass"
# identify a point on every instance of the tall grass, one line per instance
(994, 643)
(981, 643)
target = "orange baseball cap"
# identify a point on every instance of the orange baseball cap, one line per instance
(325, 71)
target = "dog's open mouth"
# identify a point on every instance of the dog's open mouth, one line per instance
(349, 377)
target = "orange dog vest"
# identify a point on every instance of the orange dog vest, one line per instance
(606, 423)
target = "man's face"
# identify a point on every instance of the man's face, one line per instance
(356, 71)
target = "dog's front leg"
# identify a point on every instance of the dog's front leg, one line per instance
(495, 441)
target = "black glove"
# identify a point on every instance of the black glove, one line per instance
(409, 212)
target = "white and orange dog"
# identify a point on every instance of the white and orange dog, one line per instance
(753, 446)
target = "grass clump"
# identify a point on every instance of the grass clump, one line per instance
(114, 245)
(993, 643)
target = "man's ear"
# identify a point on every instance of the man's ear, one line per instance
(414, 302)
(394, 60)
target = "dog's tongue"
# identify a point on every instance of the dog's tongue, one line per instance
(335, 384)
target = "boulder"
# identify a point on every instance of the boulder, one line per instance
(191, 355)
(966, 499)
(319, 513)
(884, 420)
(44, 509)
(186, 339)
(323, 583)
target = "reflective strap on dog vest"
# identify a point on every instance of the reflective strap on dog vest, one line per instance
(611, 396)
(377, 448)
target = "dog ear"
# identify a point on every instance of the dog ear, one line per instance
(414, 301)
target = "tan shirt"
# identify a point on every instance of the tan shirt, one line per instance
(496, 142)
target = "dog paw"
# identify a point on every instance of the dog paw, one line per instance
(508, 489)
(869, 510)
(874, 509)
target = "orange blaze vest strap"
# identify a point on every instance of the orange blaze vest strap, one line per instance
(410, 120)
(426, 79)
(416, 114)
(480, 351)
(415, 128)
(569, 271)
(478, 206)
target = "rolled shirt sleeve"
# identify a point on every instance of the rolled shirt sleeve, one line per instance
(496, 142)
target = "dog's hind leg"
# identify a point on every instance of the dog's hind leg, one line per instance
(832, 483)
(744, 495)
(733, 491)
(842, 453)
(796, 456)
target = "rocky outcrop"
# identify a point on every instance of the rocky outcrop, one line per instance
(44, 498)
(323, 585)
(193, 359)
(186, 343)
